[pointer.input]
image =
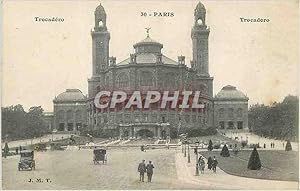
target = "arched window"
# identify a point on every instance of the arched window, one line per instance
(78, 115)
(240, 112)
(107, 80)
(230, 112)
(146, 79)
(69, 114)
(61, 115)
(203, 88)
(101, 24)
(170, 81)
(199, 22)
(123, 80)
(221, 113)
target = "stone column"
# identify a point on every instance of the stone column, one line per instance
(159, 132)
(121, 132)
(131, 132)
(66, 126)
(74, 121)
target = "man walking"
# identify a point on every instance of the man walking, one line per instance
(149, 168)
(214, 164)
(142, 170)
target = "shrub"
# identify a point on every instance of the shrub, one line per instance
(225, 152)
(210, 146)
(288, 146)
(197, 132)
(254, 160)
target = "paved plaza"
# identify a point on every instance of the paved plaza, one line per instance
(75, 170)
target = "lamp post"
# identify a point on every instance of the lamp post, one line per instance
(189, 157)
(197, 169)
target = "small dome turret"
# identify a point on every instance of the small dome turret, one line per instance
(70, 95)
(231, 93)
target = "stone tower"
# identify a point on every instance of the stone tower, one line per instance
(100, 38)
(200, 34)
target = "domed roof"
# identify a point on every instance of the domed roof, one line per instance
(231, 93)
(70, 95)
(100, 10)
(147, 41)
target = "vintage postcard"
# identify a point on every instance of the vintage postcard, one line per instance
(150, 95)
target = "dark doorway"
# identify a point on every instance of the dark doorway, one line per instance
(164, 134)
(126, 134)
(144, 133)
(61, 127)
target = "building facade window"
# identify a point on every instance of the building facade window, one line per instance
(230, 125)
(123, 80)
(240, 112)
(221, 112)
(222, 125)
(146, 79)
(240, 125)
(61, 115)
(69, 115)
(230, 112)
(169, 82)
(127, 118)
(153, 117)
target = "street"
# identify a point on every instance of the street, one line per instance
(76, 170)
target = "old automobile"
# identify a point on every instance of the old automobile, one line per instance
(27, 161)
(100, 155)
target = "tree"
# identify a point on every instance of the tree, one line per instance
(35, 124)
(278, 120)
(210, 146)
(18, 124)
(288, 146)
(225, 151)
(254, 160)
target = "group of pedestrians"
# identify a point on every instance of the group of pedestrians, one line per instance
(143, 168)
(272, 145)
(212, 164)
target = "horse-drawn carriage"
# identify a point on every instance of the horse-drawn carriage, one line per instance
(26, 160)
(100, 155)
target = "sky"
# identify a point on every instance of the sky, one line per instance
(42, 59)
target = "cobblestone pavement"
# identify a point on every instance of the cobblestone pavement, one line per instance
(75, 170)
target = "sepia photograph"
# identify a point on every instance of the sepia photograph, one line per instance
(150, 95)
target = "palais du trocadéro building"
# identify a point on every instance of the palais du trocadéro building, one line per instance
(147, 68)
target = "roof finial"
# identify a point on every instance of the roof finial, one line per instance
(147, 30)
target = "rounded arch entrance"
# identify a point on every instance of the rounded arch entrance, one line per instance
(145, 133)
(144, 130)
